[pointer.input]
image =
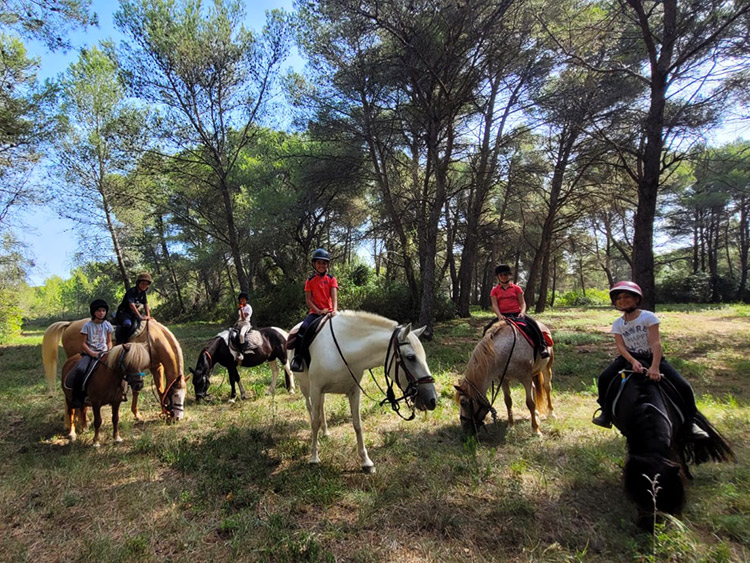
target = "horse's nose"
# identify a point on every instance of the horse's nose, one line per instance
(431, 404)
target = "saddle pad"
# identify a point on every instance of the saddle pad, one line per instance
(253, 339)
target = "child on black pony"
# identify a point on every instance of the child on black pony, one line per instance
(133, 308)
(639, 343)
(321, 296)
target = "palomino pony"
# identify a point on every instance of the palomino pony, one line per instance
(660, 446)
(502, 355)
(166, 362)
(347, 345)
(106, 386)
(217, 351)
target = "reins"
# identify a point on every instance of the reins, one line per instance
(481, 398)
(390, 396)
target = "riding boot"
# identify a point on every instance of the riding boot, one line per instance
(604, 419)
(543, 352)
(297, 364)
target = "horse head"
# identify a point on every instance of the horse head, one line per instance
(201, 376)
(416, 383)
(473, 406)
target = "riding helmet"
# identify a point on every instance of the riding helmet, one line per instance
(629, 286)
(244, 296)
(143, 276)
(321, 254)
(503, 269)
(98, 304)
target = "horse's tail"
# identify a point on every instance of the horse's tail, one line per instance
(136, 358)
(713, 448)
(540, 393)
(50, 343)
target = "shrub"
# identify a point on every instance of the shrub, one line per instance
(576, 298)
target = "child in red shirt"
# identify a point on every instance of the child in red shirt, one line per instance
(321, 296)
(507, 301)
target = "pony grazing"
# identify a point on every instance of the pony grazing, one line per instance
(660, 445)
(165, 362)
(106, 386)
(217, 351)
(501, 356)
(347, 345)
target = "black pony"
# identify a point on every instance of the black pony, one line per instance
(217, 351)
(660, 446)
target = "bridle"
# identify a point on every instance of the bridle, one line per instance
(393, 358)
(485, 406)
(134, 379)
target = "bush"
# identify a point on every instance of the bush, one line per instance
(10, 316)
(576, 298)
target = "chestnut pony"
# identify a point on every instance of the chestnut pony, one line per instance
(106, 385)
(165, 362)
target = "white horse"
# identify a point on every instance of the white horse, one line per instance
(347, 345)
(503, 355)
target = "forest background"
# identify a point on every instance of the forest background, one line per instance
(422, 143)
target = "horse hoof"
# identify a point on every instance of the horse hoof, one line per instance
(72, 438)
(243, 397)
(538, 433)
(118, 440)
(232, 401)
(97, 445)
(369, 469)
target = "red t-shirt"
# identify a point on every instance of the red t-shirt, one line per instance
(320, 287)
(507, 299)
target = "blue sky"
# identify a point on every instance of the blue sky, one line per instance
(51, 241)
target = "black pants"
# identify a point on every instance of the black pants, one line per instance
(534, 331)
(299, 343)
(686, 398)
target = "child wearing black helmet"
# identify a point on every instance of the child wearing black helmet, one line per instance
(321, 297)
(639, 343)
(133, 308)
(244, 312)
(96, 337)
(508, 301)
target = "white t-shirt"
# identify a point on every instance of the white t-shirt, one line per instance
(96, 335)
(246, 309)
(635, 332)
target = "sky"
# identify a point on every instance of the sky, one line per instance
(51, 241)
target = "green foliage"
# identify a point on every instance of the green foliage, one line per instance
(684, 287)
(576, 298)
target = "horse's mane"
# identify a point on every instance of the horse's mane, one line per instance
(176, 348)
(136, 357)
(371, 317)
(482, 356)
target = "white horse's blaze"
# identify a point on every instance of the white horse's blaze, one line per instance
(363, 340)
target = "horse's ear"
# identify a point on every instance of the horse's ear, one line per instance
(418, 332)
(191, 371)
(458, 388)
(406, 331)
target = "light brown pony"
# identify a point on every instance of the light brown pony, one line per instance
(166, 363)
(105, 387)
(503, 355)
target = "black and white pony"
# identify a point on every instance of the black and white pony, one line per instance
(660, 446)
(217, 351)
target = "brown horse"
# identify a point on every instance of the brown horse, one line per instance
(503, 355)
(105, 387)
(166, 362)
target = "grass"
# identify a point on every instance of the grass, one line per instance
(232, 480)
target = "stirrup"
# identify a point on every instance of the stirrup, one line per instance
(297, 364)
(602, 420)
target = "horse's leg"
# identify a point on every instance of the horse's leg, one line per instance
(547, 372)
(116, 422)
(274, 375)
(314, 407)
(531, 404)
(97, 423)
(367, 465)
(134, 407)
(83, 421)
(322, 414)
(70, 422)
(239, 384)
(234, 378)
(508, 401)
(289, 377)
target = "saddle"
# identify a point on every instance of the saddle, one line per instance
(77, 380)
(292, 341)
(253, 340)
(523, 327)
